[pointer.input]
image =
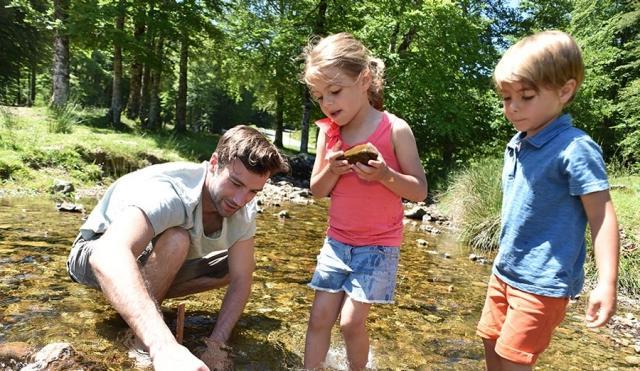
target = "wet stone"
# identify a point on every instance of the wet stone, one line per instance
(361, 153)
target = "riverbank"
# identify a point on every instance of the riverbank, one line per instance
(93, 155)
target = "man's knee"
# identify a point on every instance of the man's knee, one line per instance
(176, 238)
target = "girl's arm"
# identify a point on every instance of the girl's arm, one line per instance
(410, 182)
(326, 169)
(604, 234)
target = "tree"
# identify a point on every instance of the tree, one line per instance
(608, 32)
(116, 94)
(60, 54)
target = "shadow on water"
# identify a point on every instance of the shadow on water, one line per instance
(431, 326)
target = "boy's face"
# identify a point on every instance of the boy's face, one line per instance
(530, 110)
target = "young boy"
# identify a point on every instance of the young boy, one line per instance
(553, 182)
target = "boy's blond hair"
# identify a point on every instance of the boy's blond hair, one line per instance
(546, 59)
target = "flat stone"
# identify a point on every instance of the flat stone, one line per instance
(361, 153)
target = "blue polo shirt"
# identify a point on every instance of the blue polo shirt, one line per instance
(542, 245)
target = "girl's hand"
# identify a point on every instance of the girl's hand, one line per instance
(375, 170)
(337, 167)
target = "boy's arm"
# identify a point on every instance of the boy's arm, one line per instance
(604, 235)
(326, 169)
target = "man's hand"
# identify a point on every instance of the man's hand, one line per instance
(601, 306)
(216, 356)
(176, 357)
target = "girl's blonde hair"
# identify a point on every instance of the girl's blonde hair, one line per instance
(546, 59)
(349, 55)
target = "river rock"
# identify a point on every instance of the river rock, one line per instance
(361, 153)
(15, 350)
(62, 186)
(633, 360)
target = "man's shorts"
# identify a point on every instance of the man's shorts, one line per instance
(214, 265)
(366, 273)
(521, 323)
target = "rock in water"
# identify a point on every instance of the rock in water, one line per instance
(361, 153)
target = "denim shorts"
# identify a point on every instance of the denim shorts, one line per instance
(366, 273)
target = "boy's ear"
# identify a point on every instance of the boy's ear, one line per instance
(568, 90)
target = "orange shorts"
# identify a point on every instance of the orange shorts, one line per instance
(521, 323)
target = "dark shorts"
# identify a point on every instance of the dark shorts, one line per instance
(214, 265)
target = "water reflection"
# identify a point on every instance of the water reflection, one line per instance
(431, 326)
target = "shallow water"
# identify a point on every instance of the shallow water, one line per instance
(431, 325)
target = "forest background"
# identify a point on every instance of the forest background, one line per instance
(182, 71)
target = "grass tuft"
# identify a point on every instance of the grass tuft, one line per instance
(473, 201)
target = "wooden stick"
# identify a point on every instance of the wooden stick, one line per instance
(180, 324)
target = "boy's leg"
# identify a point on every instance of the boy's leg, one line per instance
(353, 324)
(324, 313)
(517, 326)
(491, 358)
(492, 319)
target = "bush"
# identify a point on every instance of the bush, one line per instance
(473, 200)
(64, 118)
(9, 166)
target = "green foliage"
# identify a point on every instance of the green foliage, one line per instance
(473, 200)
(10, 165)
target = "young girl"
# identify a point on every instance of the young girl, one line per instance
(358, 262)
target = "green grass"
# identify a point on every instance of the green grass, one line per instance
(473, 202)
(36, 147)
(626, 200)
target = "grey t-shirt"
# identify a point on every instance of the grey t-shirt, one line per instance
(170, 196)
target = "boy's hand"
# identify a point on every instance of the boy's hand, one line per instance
(337, 167)
(601, 306)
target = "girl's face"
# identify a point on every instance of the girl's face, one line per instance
(341, 97)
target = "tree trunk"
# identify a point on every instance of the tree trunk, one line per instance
(181, 100)
(148, 65)
(319, 30)
(32, 85)
(306, 112)
(279, 117)
(116, 93)
(135, 84)
(154, 120)
(19, 91)
(60, 95)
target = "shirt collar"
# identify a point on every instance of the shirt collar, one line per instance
(549, 132)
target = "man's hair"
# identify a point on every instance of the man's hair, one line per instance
(255, 151)
(546, 59)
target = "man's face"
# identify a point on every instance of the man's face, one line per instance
(232, 186)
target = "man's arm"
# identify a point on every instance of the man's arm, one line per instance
(604, 234)
(241, 266)
(114, 264)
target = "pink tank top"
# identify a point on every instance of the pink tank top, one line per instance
(366, 213)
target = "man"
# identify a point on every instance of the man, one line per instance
(175, 229)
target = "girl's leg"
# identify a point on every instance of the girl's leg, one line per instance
(324, 313)
(353, 324)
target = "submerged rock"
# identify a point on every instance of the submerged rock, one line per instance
(15, 350)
